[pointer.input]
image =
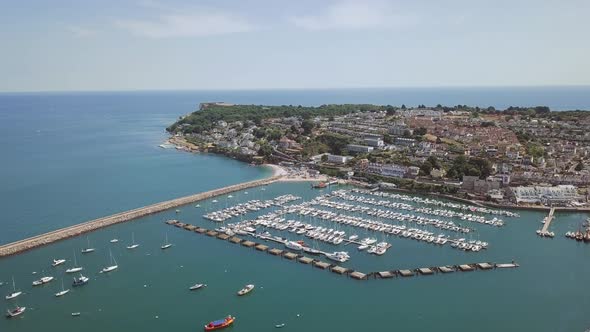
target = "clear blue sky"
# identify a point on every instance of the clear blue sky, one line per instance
(221, 44)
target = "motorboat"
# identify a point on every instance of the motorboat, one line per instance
(42, 281)
(197, 286)
(338, 256)
(293, 245)
(311, 251)
(114, 241)
(220, 323)
(57, 262)
(247, 289)
(15, 312)
(80, 281)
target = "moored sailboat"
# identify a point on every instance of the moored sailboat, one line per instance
(113, 265)
(247, 289)
(76, 268)
(14, 293)
(166, 245)
(63, 291)
(133, 244)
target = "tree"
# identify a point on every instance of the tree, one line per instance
(403, 106)
(324, 158)
(420, 131)
(307, 126)
(390, 110)
(265, 150)
(579, 166)
(387, 139)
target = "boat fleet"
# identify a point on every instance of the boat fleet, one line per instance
(81, 280)
(249, 206)
(344, 194)
(429, 201)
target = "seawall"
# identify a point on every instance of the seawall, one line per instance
(92, 225)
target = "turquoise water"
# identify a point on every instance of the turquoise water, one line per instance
(545, 294)
(68, 158)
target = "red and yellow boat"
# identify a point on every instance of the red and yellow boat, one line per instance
(220, 323)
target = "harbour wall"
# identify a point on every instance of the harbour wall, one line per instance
(92, 225)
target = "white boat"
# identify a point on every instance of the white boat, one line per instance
(311, 251)
(87, 249)
(293, 245)
(75, 314)
(15, 312)
(197, 286)
(247, 289)
(76, 268)
(57, 262)
(63, 291)
(166, 245)
(113, 265)
(353, 237)
(133, 244)
(82, 280)
(14, 292)
(42, 281)
(338, 256)
(114, 240)
(363, 246)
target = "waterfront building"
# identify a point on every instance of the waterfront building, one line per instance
(392, 170)
(354, 148)
(374, 142)
(336, 159)
(558, 195)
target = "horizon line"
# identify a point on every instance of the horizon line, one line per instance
(296, 89)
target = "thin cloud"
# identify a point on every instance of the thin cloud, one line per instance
(349, 15)
(187, 25)
(80, 31)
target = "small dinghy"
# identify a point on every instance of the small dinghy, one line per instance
(197, 286)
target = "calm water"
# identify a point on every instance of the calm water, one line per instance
(73, 157)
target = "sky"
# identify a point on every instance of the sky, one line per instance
(72, 45)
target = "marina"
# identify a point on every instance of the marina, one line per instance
(343, 270)
(297, 239)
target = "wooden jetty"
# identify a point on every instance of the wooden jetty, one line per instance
(92, 225)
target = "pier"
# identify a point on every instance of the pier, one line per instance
(340, 270)
(92, 225)
(548, 220)
(544, 232)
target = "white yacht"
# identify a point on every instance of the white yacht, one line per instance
(197, 286)
(338, 256)
(114, 240)
(57, 262)
(88, 249)
(42, 281)
(76, 268)
(15, 312)
(133, 244)
(353, 237)
(113, 265)
(293, 245)
(166, 245)
(14, 292)
(63, 291)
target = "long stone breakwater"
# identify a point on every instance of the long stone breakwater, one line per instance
(92, 225)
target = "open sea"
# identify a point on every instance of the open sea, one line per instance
(72, 157)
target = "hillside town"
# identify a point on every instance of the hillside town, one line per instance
(517, 156)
